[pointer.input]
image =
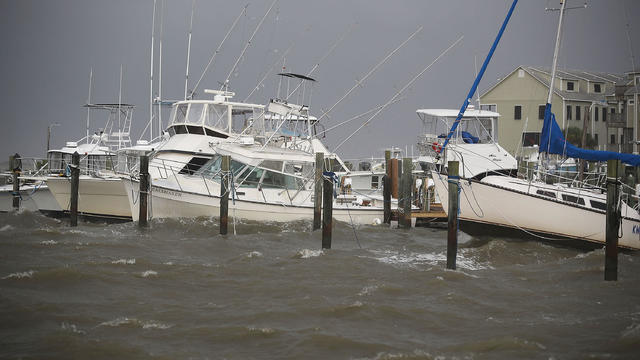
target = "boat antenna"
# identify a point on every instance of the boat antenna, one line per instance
(186, 76)
(120, 110)
(215, 53)
(89, 101)
(326, 55)
(153, 30)
(393, 99)
(226, 81)
(361, 81)
(466, 101)
(160, 69)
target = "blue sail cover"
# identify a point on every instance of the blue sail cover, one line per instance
(553, 142)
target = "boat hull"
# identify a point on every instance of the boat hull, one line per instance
(33, 198)
(485, 206)
(171, 203)
(97, 197)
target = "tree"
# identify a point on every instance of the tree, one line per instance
(574, 136)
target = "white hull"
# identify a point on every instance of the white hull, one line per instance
(169, 203)
(103, 197)
(489, 204)
(34, 198)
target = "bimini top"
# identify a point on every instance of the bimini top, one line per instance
(454, 113)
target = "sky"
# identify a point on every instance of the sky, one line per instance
(49, 48)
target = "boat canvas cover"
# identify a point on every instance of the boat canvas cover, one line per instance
(553, 142)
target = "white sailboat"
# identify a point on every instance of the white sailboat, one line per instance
(554, 212)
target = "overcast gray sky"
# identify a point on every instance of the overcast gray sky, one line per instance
(49, 47)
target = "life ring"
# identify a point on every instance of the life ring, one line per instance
(436, 147)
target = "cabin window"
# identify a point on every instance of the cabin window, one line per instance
(517, 112)
(569, 112)
(195, 130)
(180, 113)
(604, 114)
(272, 164)
(253, 178)
(598, 205)
(573, 199)
(216, 116)
(194, 165)
(550, 194)
(530, 138)
(541, 109)
(180, 129)
(195, 113)
(273, 180)
(569, 85)
(578, 115)
(597, 88)
(171, 131)
(375, 182)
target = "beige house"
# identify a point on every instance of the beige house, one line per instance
(608, 100)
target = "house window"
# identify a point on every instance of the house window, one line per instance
(595, 137)
(517, 112)
(541, 109)
(604, 114)
(569, 85)
(578, 108)
(613, 139)
(621, 138)
(613, 110)
(596, 88)
(631, 102)
(489, 107)
(595, 114)
(568, 112)
(520, 73)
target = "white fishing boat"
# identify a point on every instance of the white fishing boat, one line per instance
(474, 143)
(554, 212)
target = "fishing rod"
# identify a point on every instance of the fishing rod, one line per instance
(326, 55)
(215, 53)
(284, 54)
(399, 93)
(359, 83)
(226, 81)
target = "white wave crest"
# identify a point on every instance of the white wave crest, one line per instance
(415, 259)
(48, 242)
(6, 228)
(124, 261)
(20, 275)
(71, 327)
(254, 254)
(306, 253)
(145, 324)
(149, 273)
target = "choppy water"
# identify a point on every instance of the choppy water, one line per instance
(181, 291)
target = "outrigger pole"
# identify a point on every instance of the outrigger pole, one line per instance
(476, 82)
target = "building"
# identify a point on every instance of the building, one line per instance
(606, 101)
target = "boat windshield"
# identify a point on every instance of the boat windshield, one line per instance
(268, 174)
(472, 130)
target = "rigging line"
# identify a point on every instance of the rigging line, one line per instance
(226, 81)
(89, 101)
(359, 82)
(326, 55)
(626, 20)
(160, 70)
(215, 53)
(269, 71)
(153, 30)
(400, 92)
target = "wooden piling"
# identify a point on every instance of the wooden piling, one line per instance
(15, 171)
(386, 189)
(75, 182)
(327, 207)
(613, 222)
(407, 190)
(317, 192)
(144, 191)
(452, 226)
(225, 176)
(394, 178)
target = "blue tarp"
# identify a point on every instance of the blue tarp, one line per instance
(553, 142)
(470, 139)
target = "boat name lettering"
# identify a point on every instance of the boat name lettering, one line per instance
(168, 192)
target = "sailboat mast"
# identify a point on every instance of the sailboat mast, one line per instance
(89, 102)
(160, 70)
(555, 51)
